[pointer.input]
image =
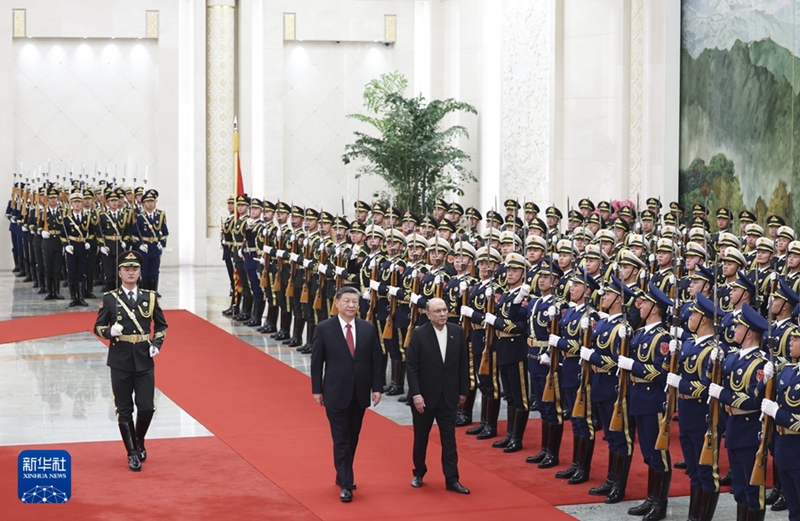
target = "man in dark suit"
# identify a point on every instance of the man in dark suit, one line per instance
(345, 367)
(438, 382)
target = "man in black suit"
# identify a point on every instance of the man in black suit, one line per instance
(438, 382)
(345, 367)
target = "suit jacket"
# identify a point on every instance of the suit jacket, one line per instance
(431, 377)
(335, 373)
(126, 355)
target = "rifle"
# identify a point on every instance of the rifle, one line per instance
(414, 314)
(292, 271)
(484, 368)
(323, 260)
(582, 398)
(759, 475)
(617, 418)
(552, 389)
(264, 282)
(373, 296)
(711, 439)
(662, 442)
(277, 284)
(388, 329)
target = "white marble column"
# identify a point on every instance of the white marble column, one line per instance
(527, 100)
(220, 17)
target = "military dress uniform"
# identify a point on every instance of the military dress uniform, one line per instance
(238, 235)
(150, 235)
(280, 270)
(250, 253)
(113, 236)
(77, 234)
(142, 329)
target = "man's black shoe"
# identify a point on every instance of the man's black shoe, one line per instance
(416, 482)
(346, 495)
(457, 487)
(294, 342)
(134, 463)
(680, 465)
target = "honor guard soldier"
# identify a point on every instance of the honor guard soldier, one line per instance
(741, 373)
(784, 236)
(91, 213)
(389, 273)
(724, 217)
(266, 250)
(594, 223)
(535, 248)
(791, 272)
(607, 241)
(409, 222)
(574, 220)
(325, 285)
(433, 282)
(125, 318)
(543, 362)
(375, 236)
(538, 228)
(607, 339)
(509, 322)
(694, 255)
(586, 207)
(494, 219)
(281, 269)
(664, 277)
(454, 214)
(250, 252)
(294, 289)
(691, 382)
(621, 228)
(52, 246)
(246, 296)
(647, 377)
(649, 220)
(474, 219)
(36, 231)
(509, 243)
(362, 210)
(785, 409)
(225, 242)
(554, 217)
(440, 207)
(378, 214)
(742, 291)
(604, 209)
(566, 260)
(77, 233)
(531, 212)
(427, 227)
(773, 223)
(732, 261)
(745, 217)
(762, 268)
(569, 342)
(150, 234)
(581, 237)
(114, 237)
(483, 356)
(512, 207)
(307, 269)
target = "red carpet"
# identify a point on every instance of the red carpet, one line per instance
(263, 410)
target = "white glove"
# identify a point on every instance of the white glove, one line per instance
(714, 390)
(144, 248)
(279, 233)
(279, 253)
(467, 311)
(250, 222)
(365, 295)
(676, 331)
(673, 346)
(623, 332)
(321, 246)
(292, 238)
(116, 329)
(414, 298)
(374, 285)
(306, 242)
(625, 363)
(414, 274)
(769, 370)
(553, 341)
(122, 244)
(652, 258)
(153, 351)
(673, 380)
(294, 257)
(585, 323)
(672, 279)
(643, 274)
(241, 253)
(524, 290)
(261, 261)
(372, 263)
(462, 287)
(637, 226)
(354, 254)
(437, 279)
(769, 407)
(69, 249)
(490, 319)
(773, 277)
(265, 231)
(551, 312)
(393, 290)
(88, 246)
(544, 359)
(340, 270)
(337, 251)
(715, 353)
(160, 248)
(104, 250)
(322, 270)
(306, 263)
(269, 250)
(602, 314)
(45, 234)
(586, 353)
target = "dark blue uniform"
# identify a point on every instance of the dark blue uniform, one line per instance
(570, 345)
(787, 441)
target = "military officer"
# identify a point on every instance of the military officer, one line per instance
(52, 232)
(125, 318)
(77, 234)
(150, 234)
(113, 237)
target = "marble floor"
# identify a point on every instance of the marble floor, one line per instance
(57, 390)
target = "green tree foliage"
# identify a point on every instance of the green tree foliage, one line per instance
(412, 152)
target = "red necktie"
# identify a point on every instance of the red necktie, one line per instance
(350, 343)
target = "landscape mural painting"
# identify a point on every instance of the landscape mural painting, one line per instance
(740, 106)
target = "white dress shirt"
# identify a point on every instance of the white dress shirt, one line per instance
(441, 336)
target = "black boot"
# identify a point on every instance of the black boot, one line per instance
(51, 288)
(538, 458)
(247, 306)
(73, 296)
(283, 332)
(576, 457)
(501, 444)
(465, 412)
(129, 439)
(258, 310)
(155, 287)
(554, 446)
(617, 493)
(306, 349)
(644, 508)
(88, 287)
(79, 293)
(392, 385)
(269, 323)
(520, 422)
(608, 484)
(492, 412)
(143, 420)
(661, 491)
(724, 481)
(16, 264)
(28, 276)
(754, 515)
(695, 493)
(57, 289)
(584, 463)
(775, 496)
(43, 283)
(396, 385)
(297, 333)
(233, 308)
(478, 428)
